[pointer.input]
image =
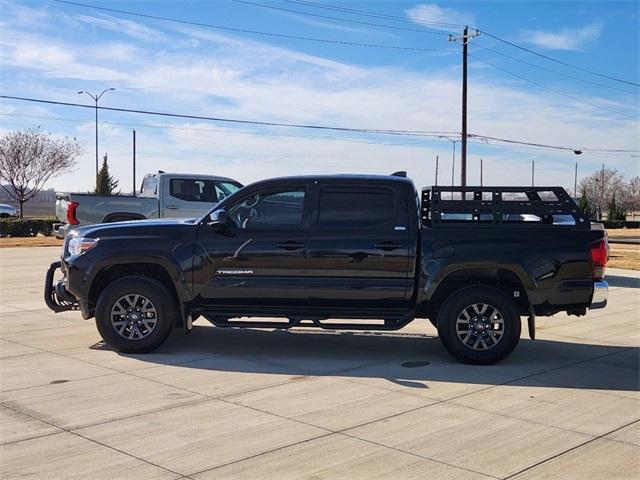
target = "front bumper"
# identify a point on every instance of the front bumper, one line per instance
(56, 295)
(600, 295)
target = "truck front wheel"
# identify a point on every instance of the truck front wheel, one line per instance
(479, 325)
(135, 314)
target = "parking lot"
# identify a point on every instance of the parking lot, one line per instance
(313, 404)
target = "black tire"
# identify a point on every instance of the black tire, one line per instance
(163, 317)
(459, 320)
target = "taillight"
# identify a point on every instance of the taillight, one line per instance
(71, 213)
(598, 256)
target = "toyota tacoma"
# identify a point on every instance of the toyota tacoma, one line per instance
(324, 250)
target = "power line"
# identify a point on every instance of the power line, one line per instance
(576, 99)
(253, 32)
(357, 22)
(482, 47)
(566, 64)
(340, 42)
(435, 135)
(551, 147)
(421, 22)
(367, 13)
(417, 133)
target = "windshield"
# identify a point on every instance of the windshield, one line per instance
(225, 189)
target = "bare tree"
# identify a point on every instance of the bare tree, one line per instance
(631, 196)
(601, 186)
(29, 158)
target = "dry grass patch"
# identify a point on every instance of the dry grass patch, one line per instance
(623, 255)
(624, 232)
(12, 242)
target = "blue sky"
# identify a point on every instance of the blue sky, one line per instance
(51, 50)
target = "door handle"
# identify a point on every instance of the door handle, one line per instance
(172, 207)
(388, 246)
(291, 245)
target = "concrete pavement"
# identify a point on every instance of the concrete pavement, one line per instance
(313, 404)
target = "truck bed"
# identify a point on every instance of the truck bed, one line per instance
(101, 208)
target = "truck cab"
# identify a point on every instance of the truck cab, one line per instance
(181, 195)
(161, 195)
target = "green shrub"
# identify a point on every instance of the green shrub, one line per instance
(26, 227)
(611, 224)
(585, 204)
(616, 213)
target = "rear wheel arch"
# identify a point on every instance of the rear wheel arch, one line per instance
(507, 281)
(122, 217)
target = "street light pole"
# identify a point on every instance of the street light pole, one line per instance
(453, 158)
(575, 175)
(96, 98)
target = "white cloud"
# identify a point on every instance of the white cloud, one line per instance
(128, 27)
(432, 13)
(52, 60)
(565, 39)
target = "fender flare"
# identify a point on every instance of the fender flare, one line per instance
(430, 288)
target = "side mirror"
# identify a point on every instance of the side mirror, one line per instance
(218, 219)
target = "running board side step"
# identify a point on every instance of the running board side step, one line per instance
(389, 323)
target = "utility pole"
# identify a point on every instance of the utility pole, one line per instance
(134, 162)
(465, 41)
(463, 155)
(437, 158)
(602, 190)
(480, 171)
(533, 172)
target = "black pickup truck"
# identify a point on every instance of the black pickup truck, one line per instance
(314, 249)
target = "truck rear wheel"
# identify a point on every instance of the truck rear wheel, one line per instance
(479, 325)
(135, 314)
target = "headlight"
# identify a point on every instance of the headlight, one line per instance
(78, 245)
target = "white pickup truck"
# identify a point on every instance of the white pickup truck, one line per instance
(162, 195)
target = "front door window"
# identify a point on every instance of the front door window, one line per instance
(269, 211)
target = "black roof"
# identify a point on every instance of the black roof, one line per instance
(343, 176)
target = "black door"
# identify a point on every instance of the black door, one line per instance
(259, 261)
(358, 251)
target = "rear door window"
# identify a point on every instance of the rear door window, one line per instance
(149, 186)
(199, 190)
(356, 207)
